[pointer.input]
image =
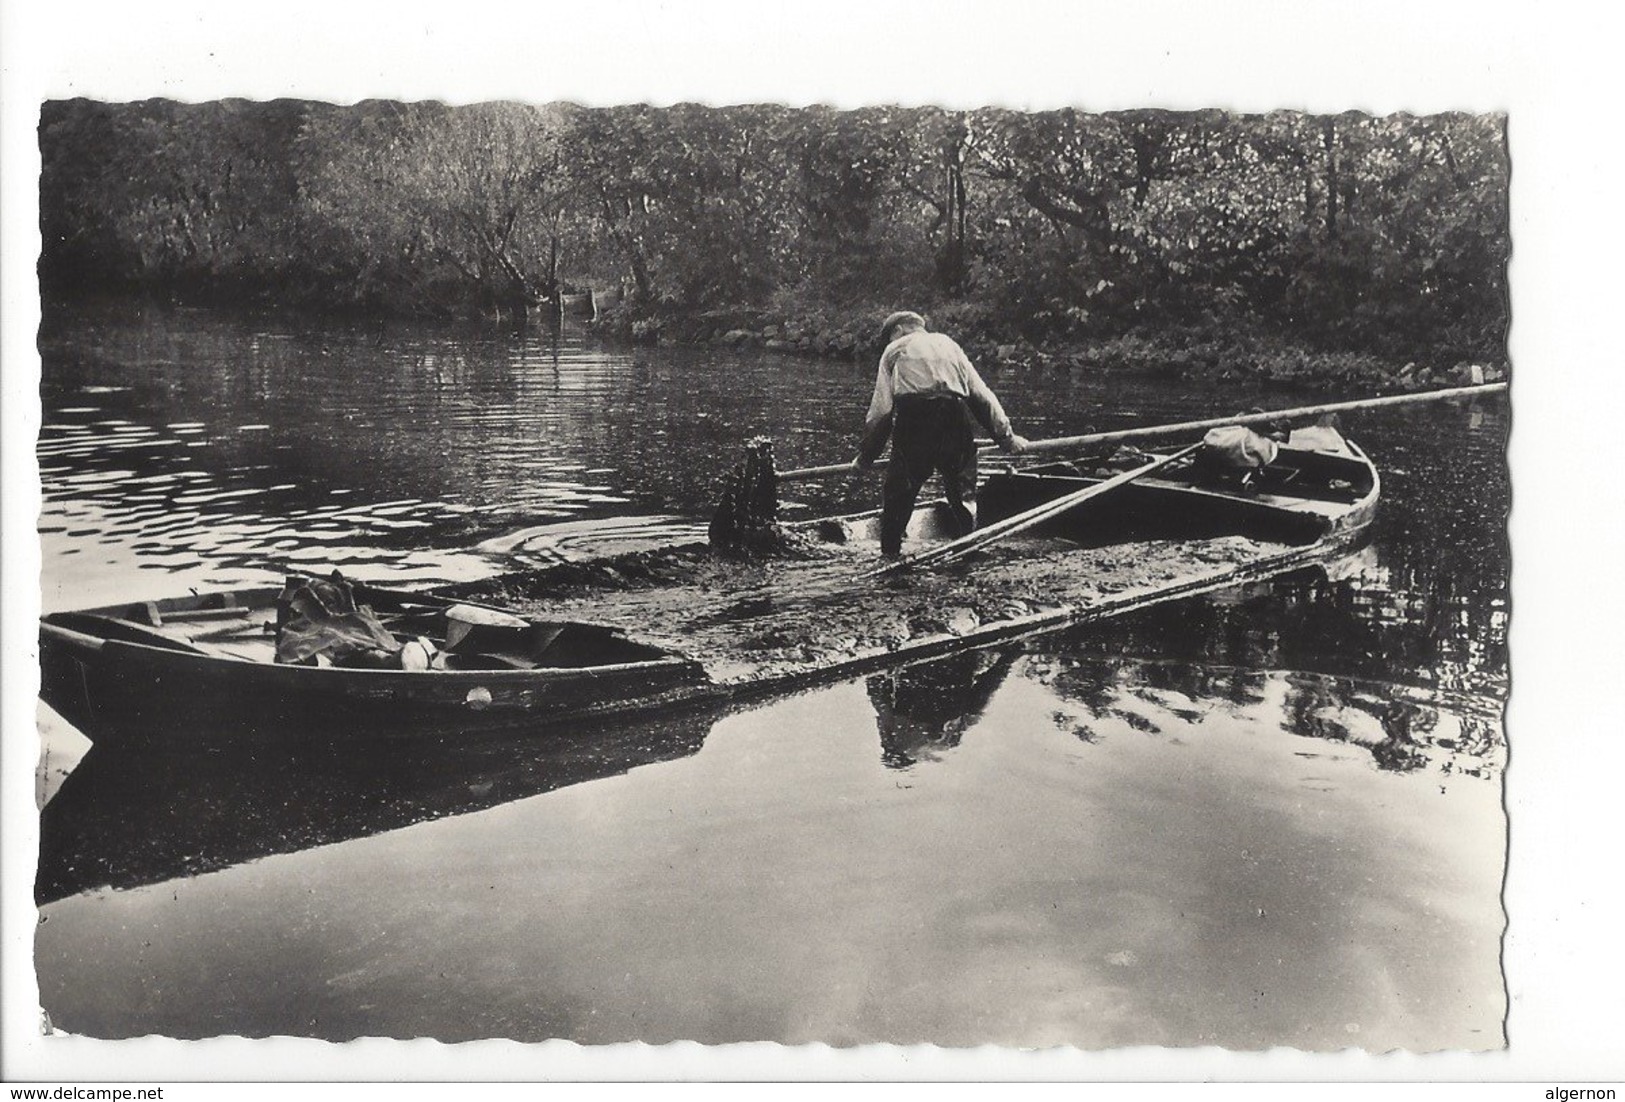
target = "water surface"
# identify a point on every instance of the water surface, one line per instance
(1270, 816)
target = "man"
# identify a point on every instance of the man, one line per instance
(928, 399)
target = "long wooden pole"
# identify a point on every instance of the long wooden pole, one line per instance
(1066, 443)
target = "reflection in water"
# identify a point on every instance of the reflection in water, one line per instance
(1402, 730)
(1202, 873)
(1345, 653)
(123, 819)
(1341, 653)
(924, 710)
(1359, 618)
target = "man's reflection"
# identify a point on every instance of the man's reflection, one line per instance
(923, 710)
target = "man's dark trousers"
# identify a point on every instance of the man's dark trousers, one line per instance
(931, 433)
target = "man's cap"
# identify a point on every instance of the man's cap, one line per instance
(901, 317)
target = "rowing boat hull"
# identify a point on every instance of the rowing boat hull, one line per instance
(126, 689)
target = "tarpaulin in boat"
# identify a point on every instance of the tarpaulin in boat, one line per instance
(1237, 448)
(319, 616)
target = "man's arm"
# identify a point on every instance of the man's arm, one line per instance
(877, 422)
(985, 405)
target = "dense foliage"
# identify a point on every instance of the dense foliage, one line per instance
(1379, 235)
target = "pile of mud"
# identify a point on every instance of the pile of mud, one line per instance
(763, 616)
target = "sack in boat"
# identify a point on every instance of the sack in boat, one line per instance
(1237, 448)
(319, 618)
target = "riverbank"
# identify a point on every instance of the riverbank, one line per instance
(1215, 353)
(1212, 353)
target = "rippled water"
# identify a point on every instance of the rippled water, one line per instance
(1271, 816)
(199, 447)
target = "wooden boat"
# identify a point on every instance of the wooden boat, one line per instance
(779, 626)
(1319, 489)
(700, 628)
(202, 667)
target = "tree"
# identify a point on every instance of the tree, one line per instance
(1384, 234)
(166, 192)
(433, 199)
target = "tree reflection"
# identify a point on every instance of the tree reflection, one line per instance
(1403, 730)
(1366, 618)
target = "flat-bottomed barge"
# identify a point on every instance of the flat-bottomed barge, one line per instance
(682, 625)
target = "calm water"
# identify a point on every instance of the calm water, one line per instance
(1266, 817)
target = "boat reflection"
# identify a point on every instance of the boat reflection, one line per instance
(124, 819)
(924, 710)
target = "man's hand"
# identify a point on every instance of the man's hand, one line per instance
(1016, 444)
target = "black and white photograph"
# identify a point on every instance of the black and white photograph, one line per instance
(544, 564)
